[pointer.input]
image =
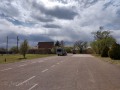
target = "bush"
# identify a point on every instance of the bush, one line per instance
(68, 49)
(114, 52)
(105, 52)
(14, 50)
(89, 51)
(53, 50)
(2, 51)
(39, 51)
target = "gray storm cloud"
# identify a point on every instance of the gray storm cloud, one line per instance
(46, 20)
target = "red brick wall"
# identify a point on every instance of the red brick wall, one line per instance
(45, 44)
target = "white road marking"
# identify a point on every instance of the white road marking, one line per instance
(25, 81)
(46, 59)
(45, 70)
(77, 71)
(23, 61)
(6, 69)
(40, 61)
(29, 63)
(53, 66)
(61, 61)
(58, 63)
(22, 65)
(33, 62)
(33, 87)
(90, 74)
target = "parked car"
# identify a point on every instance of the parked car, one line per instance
(61, 52)
(74, 51)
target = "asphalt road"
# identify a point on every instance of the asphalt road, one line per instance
(72, 72)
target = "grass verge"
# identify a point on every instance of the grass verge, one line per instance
(107, 59)
(17, 57)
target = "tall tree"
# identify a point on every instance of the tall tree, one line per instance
(101, 34)
(103, 39)
(24, 48)
(57, 44)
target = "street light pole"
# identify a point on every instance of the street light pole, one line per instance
(17, 43)
(7, 46)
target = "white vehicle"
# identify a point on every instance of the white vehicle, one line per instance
(61, 52)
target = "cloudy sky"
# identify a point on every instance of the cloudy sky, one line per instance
(51, 20)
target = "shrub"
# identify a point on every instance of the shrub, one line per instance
(14, 50)
(68, 49)
(114, 52)
(105, 52)
(40, 51)
(53, 50)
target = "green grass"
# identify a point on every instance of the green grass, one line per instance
(18, 57)
(107, 59)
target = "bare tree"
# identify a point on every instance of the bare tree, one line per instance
(62, 43)
(80, 45)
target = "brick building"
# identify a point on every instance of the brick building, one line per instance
(45, 45)
(42, 48)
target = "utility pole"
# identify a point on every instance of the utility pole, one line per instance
(7, 46)
(17, 43)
